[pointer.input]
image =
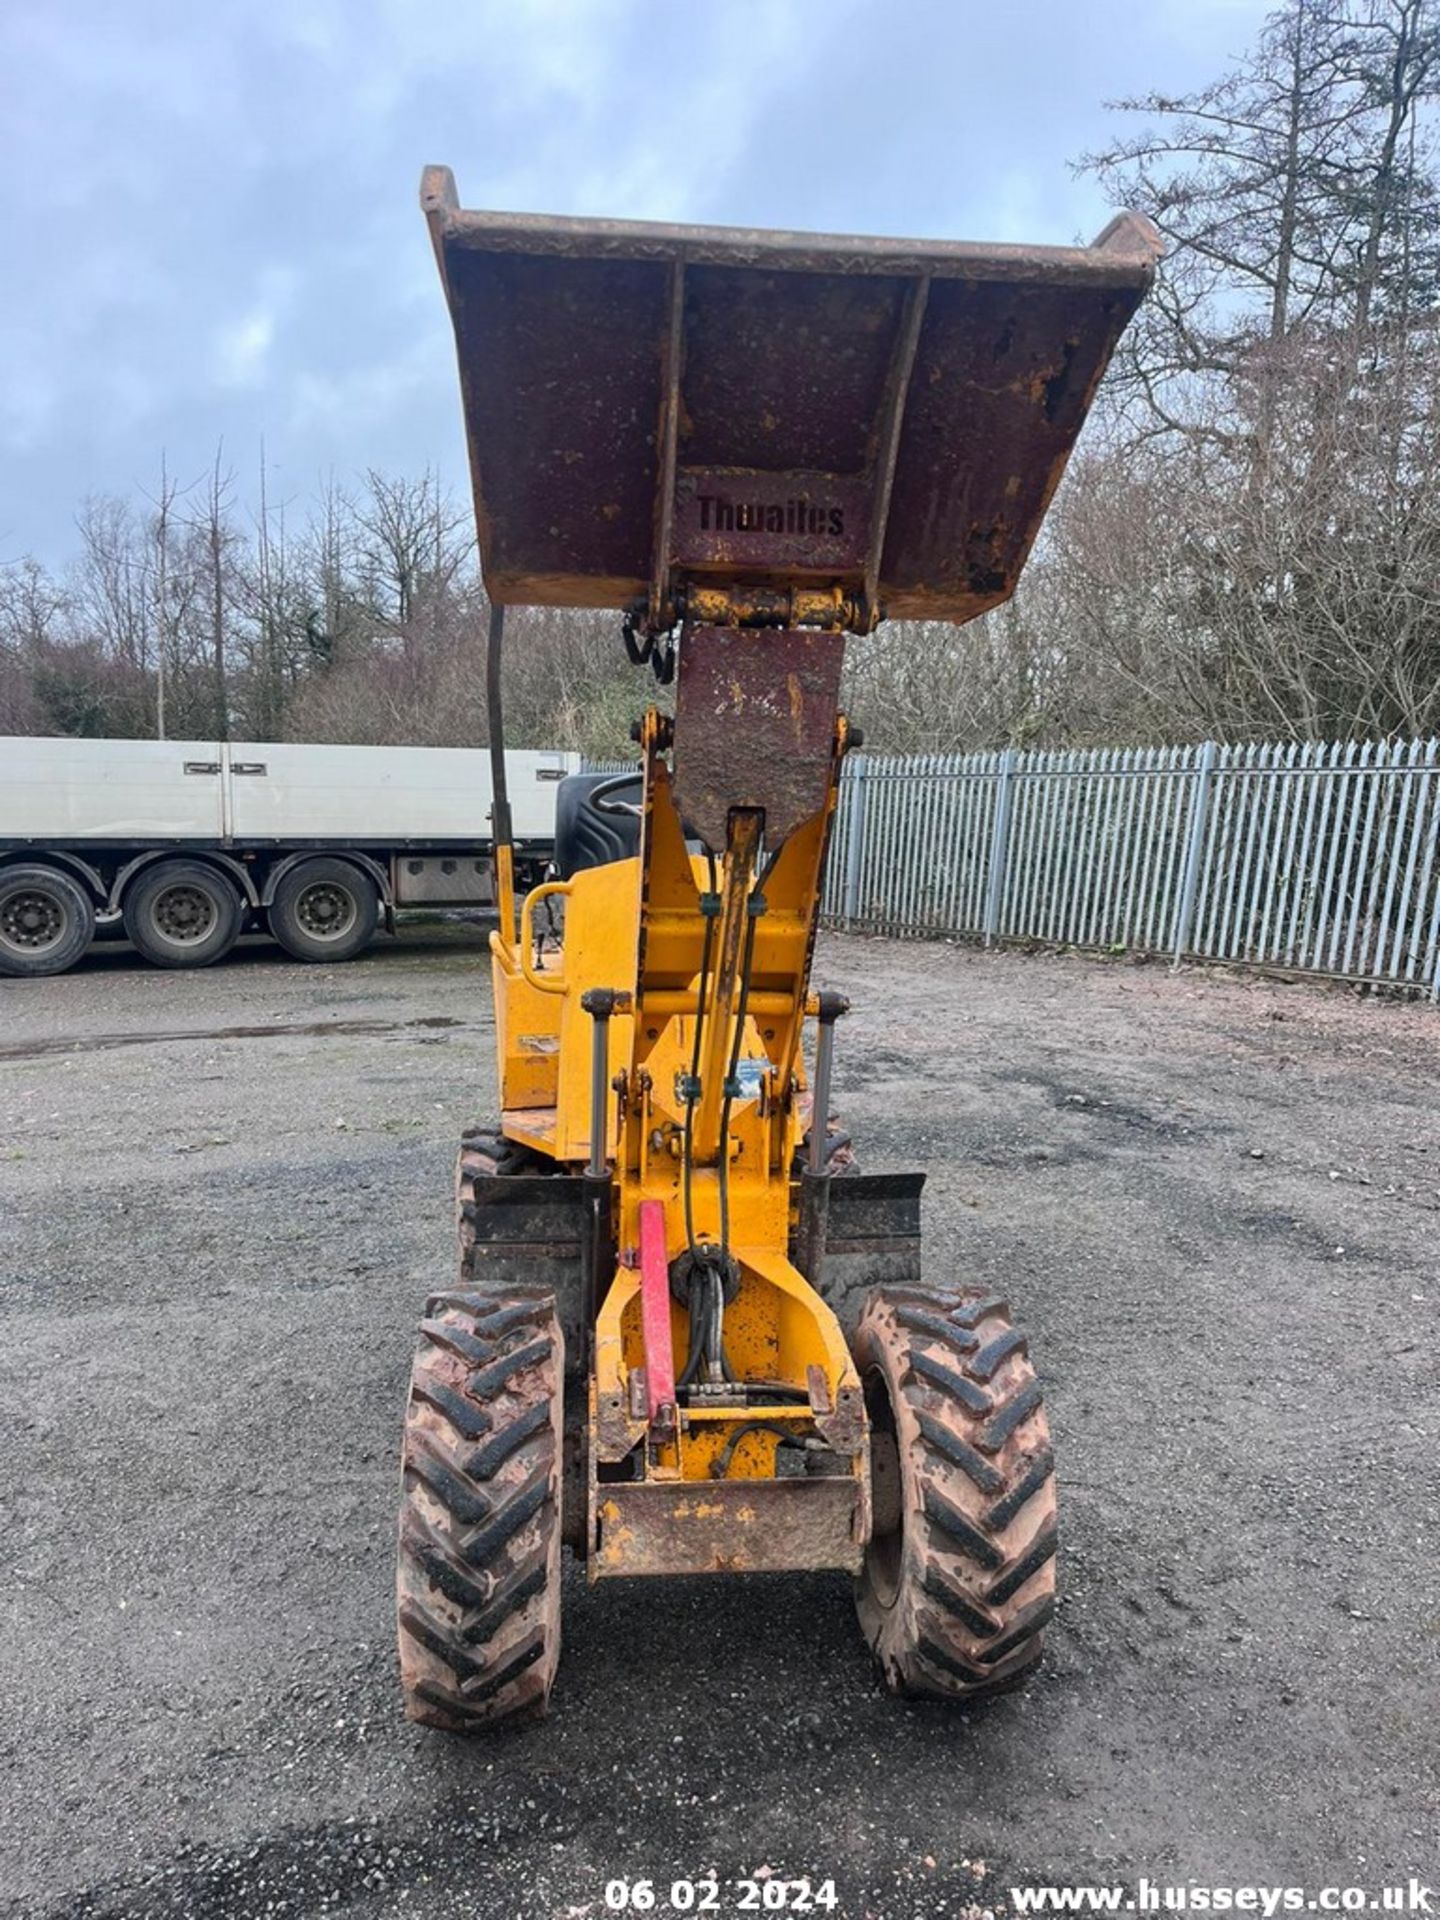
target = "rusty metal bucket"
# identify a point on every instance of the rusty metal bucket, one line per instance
(651, 404)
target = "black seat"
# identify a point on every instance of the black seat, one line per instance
(587, 835)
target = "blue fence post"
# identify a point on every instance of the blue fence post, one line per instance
(1194, 852)
(999, 846)
(853, 794)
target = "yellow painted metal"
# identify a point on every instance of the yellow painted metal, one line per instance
(505, 890)
(734, 920)
(637, 926)
(829, 607)
(548, 890)
(542, 1031)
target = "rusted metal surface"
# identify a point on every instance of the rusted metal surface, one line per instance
(618, 1424)
(843, 1428)
(1128, 237)
(891, 418)
(612, 370)
(665, 492)
(728, 1526)
(818, 1388)
(755, 726)
(808, 522)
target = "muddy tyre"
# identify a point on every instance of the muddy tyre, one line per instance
(959, 1576)
(478, 1576)
(46, 921)
(324, 910)
(181, 913)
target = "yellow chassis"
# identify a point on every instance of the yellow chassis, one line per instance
(701, 1487)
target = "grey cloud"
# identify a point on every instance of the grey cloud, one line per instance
(209, 223)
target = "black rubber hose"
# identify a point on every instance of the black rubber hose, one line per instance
(688, 1163)
(720, 1465)
(697, 1341)
(741, 1013)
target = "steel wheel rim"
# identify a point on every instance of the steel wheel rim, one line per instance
(184, 913)
(885, 1550)
(32, 920)
(326, 910)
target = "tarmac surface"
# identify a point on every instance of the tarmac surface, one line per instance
(1215, 1204)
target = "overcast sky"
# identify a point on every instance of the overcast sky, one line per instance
(209, 221)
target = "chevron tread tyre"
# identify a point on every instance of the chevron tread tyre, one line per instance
(478, 1575)
(959, 1576)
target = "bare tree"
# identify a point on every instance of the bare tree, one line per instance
(107, 585)
(1272, 485)
(32, 606)
(31, 609)
(414, 541)
(172, 590)
(216, 531)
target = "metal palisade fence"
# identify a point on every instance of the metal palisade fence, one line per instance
(1320, 858)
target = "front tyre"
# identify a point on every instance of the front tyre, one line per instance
(46, 921)
(478, 1577)
(959, 1574)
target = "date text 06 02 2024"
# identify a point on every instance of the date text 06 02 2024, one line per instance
(707, 1894)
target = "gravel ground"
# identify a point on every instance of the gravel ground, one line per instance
(1215, 1202)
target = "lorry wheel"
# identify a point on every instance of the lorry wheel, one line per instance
(478, 1576)
(46, 921)
(959, 1573)
(325, 910)
(181, 913)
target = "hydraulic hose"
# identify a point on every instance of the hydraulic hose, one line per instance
(692, 1092)
(741, 1011)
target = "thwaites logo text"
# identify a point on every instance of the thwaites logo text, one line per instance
(719, 513)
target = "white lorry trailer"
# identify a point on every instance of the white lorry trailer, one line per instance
(189, 843)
